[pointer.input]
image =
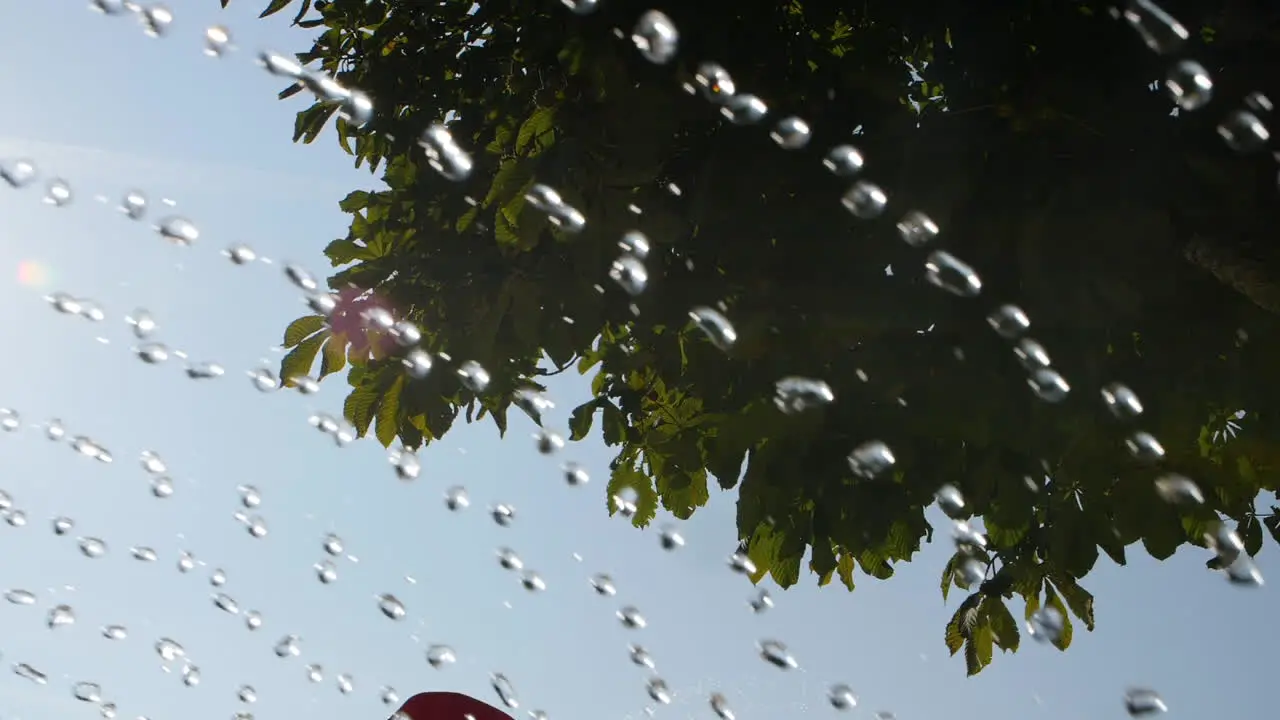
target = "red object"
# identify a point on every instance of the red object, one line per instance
(449, 706)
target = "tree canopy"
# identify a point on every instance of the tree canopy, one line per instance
(1037, 136)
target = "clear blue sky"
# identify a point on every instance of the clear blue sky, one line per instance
(93, 100)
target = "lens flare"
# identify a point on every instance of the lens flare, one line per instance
(33, 274)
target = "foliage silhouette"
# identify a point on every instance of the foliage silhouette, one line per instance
(1135, 240)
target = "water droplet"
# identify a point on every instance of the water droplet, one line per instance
(152, 353)
(917, 229)
(656, 37)
(1179, 490)
(455, 498)
(246, 694)
(134, 205)
(603, 585)
(1189, 84)
(842, 697)
(391, 606)
(217, 41)
(92, 547)
(548, 443)
(574, 474)
(264, 380)
(715, 326)
(346, 684)
(256, 526)
(1144, 446)
(658, 690)
(186, 562)
(115, 632)
(26, 672)
(169, 650)
(744, 109)
(474, 377)
(240, 254)
(631, 618)
(58, 193)
(640, 656)
(950, 501)
(54, 429)
(1157, 28)
(144, 554)
(946, 271)
(844, 160)
(775, 653)
(20, 597)
(503, 515)
(720, 706)
(253, 620)
(629, 272)
(796, 394)
(865, 200)
(1009, 321)
(444, 154)
(760, 601)
(287, 646)
(205, 371)
(440, 655)
(1031, 354)
(326, 571)
(670, 538)
(178, 230)
(1049, 385)
(581, 7)
(156, 20)
(1243, 132)
(870, 459)
(87, 692)
(532, 581)
(791, 133)
(388, 695)
(190, 675)
(406, 463)
(509, 560)
(1121, 401)
(715, 83)
(1046, 625)
(1139, 702)
(60, 616)
(10, 420)
(15, 518)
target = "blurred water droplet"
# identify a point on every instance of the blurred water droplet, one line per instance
(92, 547)
(60, 616)
(178, 230)
(1157, 28)
(58, 193)
(440, 655)
(656, 37)
(134, 205)
(87, 692)
(1139, 702)
(720, 706)
(287, 647)
(455, 498)
(631, 618)
(1243, 132)
(791, 133)
(115, 632)
(865, 200)
(658, 690)
(917, 229)
(841, 697)
(1179, 490)
(744, 109)
(1189, 84)
(391, 606)
(20, 597)
(946, 271)
(1009, 321)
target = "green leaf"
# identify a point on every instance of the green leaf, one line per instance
(1250, 531)
(1003, 626)
(359, 405)
(333, 355)
(580, 419)
(949, 574)
(614, 424)
(302, 328)
(786, 570)
(954, 633)
(762, 548)
(1273, 523)
(1079, 600)
(297, 363)
(355, 201)
(306, 5)
(308, 123)
(844, 569)
(388, 416)
(822, 561)
(979, 650)
(624, 477)
(1051, 599)
(275, 7)
(538, 129)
